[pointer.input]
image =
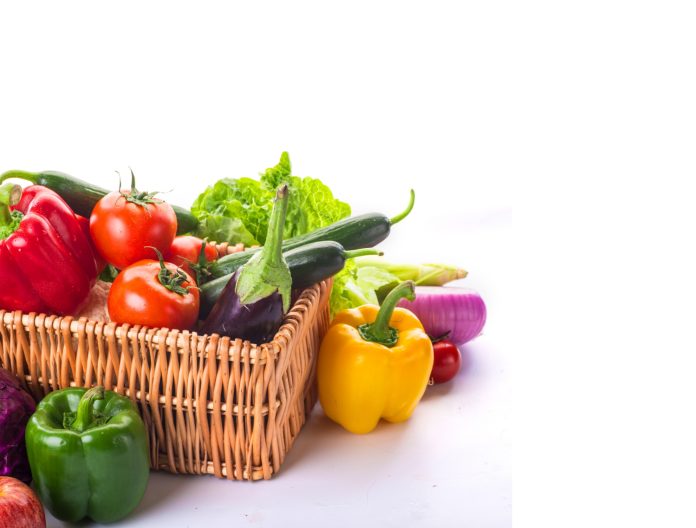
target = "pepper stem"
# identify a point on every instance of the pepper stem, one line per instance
(85, 409)
(398, 218)
(352, 253)
(380, 331)
(10, 194)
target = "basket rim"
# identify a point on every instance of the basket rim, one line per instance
(173, 337)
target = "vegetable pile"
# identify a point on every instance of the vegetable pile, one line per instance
(161, 260)
(158, 266)
(164, 280)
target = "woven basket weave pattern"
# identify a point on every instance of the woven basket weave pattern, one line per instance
(211, 405)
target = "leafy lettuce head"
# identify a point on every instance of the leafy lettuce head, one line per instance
(237, 210)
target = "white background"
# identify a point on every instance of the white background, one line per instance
(582, 113)
(372, 101)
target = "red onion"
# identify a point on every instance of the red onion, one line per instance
(444, 309)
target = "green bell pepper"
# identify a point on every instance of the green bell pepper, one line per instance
(88, 454)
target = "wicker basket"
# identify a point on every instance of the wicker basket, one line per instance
(211, 405)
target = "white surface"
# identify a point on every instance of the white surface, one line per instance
(373, 98)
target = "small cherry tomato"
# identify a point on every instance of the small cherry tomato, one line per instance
(124, 223)
(447, 361)
(155, 294)
(185, 252)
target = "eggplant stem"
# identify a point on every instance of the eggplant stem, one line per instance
(267, 272)
(274, 239)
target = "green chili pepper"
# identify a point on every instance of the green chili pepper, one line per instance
(88, 454)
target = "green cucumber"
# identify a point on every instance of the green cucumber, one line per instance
(308, 265)
(356, 232)
(82, 196)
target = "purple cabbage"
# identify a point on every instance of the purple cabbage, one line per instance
(16, 406)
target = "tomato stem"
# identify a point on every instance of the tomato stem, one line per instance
(171, 280)
(442, 337)
(134, 196)
(202, 267)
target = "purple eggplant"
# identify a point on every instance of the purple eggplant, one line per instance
(256, 298)
(258, 322)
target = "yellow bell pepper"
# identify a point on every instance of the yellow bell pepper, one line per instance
(374, 363)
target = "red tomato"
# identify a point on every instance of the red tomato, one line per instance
(139, 296)
(447, 361)
(186, 250)
(123, 223)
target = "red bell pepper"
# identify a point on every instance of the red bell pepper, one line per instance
(47, 263)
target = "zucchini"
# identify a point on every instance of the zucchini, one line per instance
(308, 265)
(82, 196)
(356, 232)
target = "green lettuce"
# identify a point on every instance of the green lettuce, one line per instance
(237, 210)
(355, 286)
(233, 211)
(311, 205)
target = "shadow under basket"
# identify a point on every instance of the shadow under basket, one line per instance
(211, 405)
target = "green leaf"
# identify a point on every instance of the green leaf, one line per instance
(355, 286)
(375, 278)
(12, 226)
(238, 210)
(234, 210)
(221, 228)
(312, 204)
(272, 178)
